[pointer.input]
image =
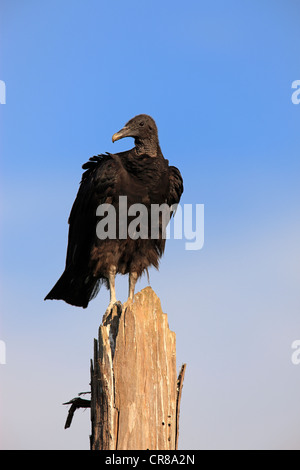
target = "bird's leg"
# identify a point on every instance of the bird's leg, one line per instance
(113, 300)
(112, 289)
(132, 282)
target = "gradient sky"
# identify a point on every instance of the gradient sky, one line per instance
(216, 76)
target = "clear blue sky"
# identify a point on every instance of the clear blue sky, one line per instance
(216, 76)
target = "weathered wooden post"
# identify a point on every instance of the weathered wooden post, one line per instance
(135, 392)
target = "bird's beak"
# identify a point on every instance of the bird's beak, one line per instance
(125, 132)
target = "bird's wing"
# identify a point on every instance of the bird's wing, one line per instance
(175, 186)
(98, 185)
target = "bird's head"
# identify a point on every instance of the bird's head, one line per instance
(144, 131)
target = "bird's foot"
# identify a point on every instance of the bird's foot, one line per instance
(107, 317)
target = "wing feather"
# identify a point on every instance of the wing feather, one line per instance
(175, 186)
(99, 182)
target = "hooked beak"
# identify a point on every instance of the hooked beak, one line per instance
(125, 132)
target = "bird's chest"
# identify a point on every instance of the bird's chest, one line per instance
(149, 188)
(146, 183)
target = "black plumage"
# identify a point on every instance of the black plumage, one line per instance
(145, 177)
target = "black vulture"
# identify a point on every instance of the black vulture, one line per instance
(144, 176)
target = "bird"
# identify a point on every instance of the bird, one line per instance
(143, 178)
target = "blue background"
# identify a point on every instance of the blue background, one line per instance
(216, 76)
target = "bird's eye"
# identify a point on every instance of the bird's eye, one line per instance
(141, 124)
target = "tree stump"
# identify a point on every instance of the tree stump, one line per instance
(135, 392)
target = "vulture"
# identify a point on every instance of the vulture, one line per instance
(140, 176)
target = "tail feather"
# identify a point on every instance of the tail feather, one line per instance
(74, 289)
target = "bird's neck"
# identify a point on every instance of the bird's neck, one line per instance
(148, 146)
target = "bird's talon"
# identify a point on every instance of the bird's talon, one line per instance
(109, 310)
(106, 314)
